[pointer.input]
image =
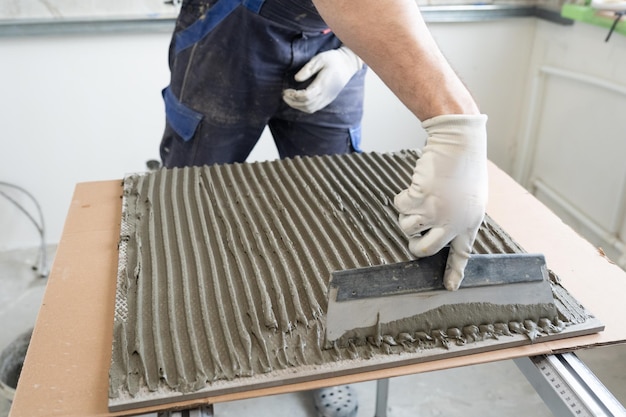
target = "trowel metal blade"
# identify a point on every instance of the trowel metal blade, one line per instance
(366, 297)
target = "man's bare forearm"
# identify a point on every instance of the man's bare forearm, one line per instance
(392, 38)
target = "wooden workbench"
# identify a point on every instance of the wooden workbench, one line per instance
(66, 369)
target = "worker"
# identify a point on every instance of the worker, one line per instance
(297, 67)
(292, 75)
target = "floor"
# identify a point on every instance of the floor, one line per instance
(494, 389)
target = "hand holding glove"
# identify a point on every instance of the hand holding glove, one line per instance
(334, 69)
(447, 198)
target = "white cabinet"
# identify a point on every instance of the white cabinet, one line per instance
(571, 153)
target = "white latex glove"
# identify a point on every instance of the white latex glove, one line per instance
(334, 69)
(448, 194)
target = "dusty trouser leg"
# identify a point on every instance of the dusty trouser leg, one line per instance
(225, 85)
(335, 129)
(309, 140)
(210, 145)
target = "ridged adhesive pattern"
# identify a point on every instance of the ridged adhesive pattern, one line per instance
(224, 269)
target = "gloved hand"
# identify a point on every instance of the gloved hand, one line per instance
(334, 69)
(448, 194)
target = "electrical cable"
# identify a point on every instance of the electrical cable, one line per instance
(40, 226)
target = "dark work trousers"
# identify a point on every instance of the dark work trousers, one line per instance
(230, 61)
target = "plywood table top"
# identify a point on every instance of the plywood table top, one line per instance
(66, 368)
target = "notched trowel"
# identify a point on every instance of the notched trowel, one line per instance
(409, 297)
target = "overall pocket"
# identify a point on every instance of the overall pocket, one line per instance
(181, 118)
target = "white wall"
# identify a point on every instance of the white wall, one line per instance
(77, 108)
(492, 58)
(73, 109)
(93, 9)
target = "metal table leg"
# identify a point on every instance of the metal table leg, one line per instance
(202, 411)
(568, 387)
(382, 395)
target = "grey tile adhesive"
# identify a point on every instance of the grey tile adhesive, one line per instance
(223, 275)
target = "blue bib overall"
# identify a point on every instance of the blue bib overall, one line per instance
(230, 61)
